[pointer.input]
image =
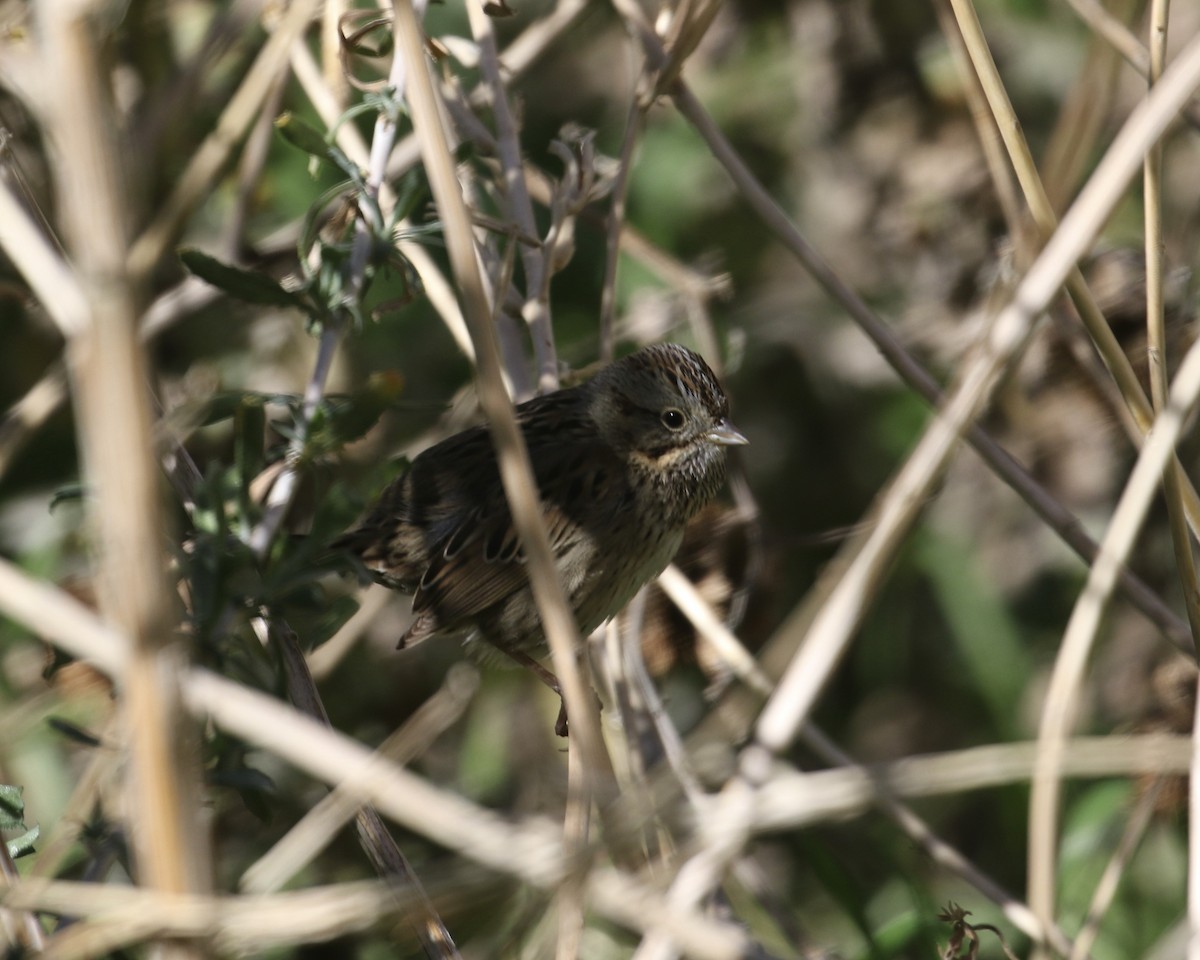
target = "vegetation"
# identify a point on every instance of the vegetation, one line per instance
(254, 256)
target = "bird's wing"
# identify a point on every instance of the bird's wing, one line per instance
(423, 508)
(481, 565)
(481, 562)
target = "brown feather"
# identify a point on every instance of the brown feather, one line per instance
(617, 482)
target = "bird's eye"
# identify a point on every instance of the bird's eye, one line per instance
(673, 419)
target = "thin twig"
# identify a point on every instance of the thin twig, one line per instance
(103, 763)
(1114, 870)
(250, 169)
(109, 378)
(1152, 188)
(211, 157)
(1115, 360)
(29, 413)
(569, 901)
(54, 283)
(379, 845)
(985, 126)
(704, 619)
(700, 614)
(635, 121)
(1125, 42)
(1043, 503)
(513, 456)
(283, 491)
(324, 659)
(1193, 889)
(536, 310)
(313, 832)
(1063, 694)
(1016, 911)
(791, 799)
(123, 915)
(1083, 116)
(1156, 336)
(30, 935)
(279, 500)
(437, 290)
(834, 623)
(1119, 36)
(515, 60)
(531, 848)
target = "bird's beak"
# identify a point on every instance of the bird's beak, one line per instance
(726, 435)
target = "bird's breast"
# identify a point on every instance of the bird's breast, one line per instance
(613, 576)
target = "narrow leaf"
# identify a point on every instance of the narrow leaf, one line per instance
(242, 284)
(12, 807)
(309, 139)
(20, 846)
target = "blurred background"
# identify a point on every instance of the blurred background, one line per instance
(856, 118)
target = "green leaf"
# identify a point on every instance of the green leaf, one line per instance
(410, 192)
(342, 420)
(253, 786)
(249, 453)
(310, 226)
(12, 807)
(12, 817)
(302, 135)
(246, 285)
(384, 101)
(898, 935)
(20, 846)
(70, 493)
(242, 778)
(308, 138)
(72, 732)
